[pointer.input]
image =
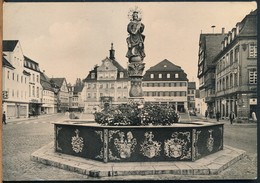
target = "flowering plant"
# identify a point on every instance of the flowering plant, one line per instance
(137, 115)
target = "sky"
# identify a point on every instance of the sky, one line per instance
(68, 39)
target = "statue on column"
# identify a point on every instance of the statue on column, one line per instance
(135, 41)
(135, 53)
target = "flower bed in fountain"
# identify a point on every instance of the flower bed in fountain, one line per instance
(116, 138)
(137, 115)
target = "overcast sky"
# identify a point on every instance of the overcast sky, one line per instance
(68, 39)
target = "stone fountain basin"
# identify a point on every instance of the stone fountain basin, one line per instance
(178, 142)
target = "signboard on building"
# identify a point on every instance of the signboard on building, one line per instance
(5, 94)
(252, 101)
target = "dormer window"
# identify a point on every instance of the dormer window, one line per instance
(92, 75)
(168, 75)
(160, 75)
(121, 75)
(165, 66)
(176, 75)
(152, 76)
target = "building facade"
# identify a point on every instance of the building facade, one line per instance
(209, 48)
(236, 70)
(191, 95)
(166, 83)
(106, 84)
(15, 81)
(76, 103)
(61, 94)
(48, 96)
(35, 88)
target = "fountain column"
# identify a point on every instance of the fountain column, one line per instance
(135, 55)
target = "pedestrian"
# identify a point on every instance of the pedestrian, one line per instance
(232, 116)
(4, 118)
(254, 116)
(206, 114)
(218, 115)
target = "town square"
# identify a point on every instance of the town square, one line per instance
(129, 91)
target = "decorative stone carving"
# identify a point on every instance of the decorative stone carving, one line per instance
(100, 133)
(210, 141)
(136, 87)
(136, 69)
(195, 151)
(77, 142)
(150, 148)
(125, 146)
(177, 147)
(57, 143)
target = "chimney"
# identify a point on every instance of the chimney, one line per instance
(112, 52)
(223, 30)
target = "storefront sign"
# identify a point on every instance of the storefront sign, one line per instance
(252, 101)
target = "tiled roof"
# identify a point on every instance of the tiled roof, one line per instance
(45, 82)
(165, 65)
(212, 47)
(9, 45)
(7, 64)
(164, 68)
(248, 25)
(191, 85)
(78, 88)
(57, 81)
(31, 64)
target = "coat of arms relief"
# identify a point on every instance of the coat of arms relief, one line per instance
(150, 148)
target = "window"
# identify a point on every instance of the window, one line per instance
(160, 75)
(13, 76)
(121, 75)
(33, 91)
(94, 86)
(89, 86)
(168, 75)
(8, 74)
(252, 50)
(25, 80)
(37, 78)
(253, 76)
(21, 79)
(236, 54)
(29, 90)
(152, 76)
(17, 93)
(33, 77)
(231, 58)
(17, 78)
(176, 75)
(95, 95)
(37, 92)
(92, 75)
(89, 95)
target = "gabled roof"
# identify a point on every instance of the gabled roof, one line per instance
(212, 46)
(248, 26)
(7, 64)
(45, 82)
(165, 65)
(9, 45)
(78, 88)
(57, 81)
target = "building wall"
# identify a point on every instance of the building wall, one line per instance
(48, 102)
(235, 90)
(35, 92)
(15, 82)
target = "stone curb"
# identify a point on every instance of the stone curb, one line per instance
(212, 164)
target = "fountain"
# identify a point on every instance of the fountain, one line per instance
(131, 143)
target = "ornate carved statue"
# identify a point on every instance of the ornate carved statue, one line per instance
(135, 41)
